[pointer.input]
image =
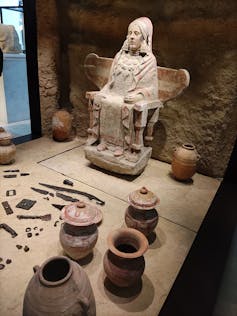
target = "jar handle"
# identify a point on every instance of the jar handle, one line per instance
(84, 302)
(198, 156)
(36, 268)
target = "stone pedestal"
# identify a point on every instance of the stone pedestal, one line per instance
(106, 160)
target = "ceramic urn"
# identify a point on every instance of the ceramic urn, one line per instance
(7, 149)
(184, 162)
(61, 125)
(60, 287)
(124, 262)
(141, 213)
(79, 232)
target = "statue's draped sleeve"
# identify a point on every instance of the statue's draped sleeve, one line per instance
(145, 79)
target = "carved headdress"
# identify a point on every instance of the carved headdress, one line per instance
(146, 28)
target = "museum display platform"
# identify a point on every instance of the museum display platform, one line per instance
(182, 209)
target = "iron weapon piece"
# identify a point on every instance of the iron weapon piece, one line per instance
(88, 195)
(40, 191)
(46, 217)
(66, 197)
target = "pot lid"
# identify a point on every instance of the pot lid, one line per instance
(5, 136)
(143, 199)
(81, 214)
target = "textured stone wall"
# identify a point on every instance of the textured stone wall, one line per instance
(197, 35)
(48, 59)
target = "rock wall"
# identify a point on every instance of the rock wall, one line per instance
(48, 60)
(199, 36)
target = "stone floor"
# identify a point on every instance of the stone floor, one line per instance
(182, 209)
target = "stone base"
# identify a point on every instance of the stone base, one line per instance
(106, 160)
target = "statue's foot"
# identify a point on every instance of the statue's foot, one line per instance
(133, 157)
(101, 147)
(118, 152)
(137, 147)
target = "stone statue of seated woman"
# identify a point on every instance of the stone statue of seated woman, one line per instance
(119, 111)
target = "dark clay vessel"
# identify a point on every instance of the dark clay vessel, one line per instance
(141, 213)
(124, 263)
(59, 287)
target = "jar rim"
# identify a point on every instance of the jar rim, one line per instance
(128, 236)
(188, 146)
(49, 261)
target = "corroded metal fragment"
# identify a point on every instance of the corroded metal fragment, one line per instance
(10, 192)
(8, 229)
(26, 204)
(7, 208)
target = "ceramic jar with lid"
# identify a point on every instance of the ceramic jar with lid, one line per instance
(184, 162)
(141, 213)
(60, 287)
(124, 262)
(79, 232)
(7, 149)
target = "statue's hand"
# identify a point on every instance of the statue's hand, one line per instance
(133, 97)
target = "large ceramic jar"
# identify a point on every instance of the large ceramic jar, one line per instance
(141, 214)
(79, 232)
(59, 287)
(61, 125)
(7, 149)
(124, 263)
(184, 162)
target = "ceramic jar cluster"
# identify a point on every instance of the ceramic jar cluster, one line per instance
(61, 287)
(7, 148)
(124, 262)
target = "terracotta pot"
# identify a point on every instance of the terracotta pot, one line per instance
(7, 149)
(59, 287)
(184, 162)
(124, 263)
(79, 233)
(141, 213)
(61, 125)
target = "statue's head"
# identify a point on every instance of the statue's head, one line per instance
(139, 37)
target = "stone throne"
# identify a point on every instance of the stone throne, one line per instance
(171, 83)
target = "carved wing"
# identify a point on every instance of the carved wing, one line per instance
(171, 82)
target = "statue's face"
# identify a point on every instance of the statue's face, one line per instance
(134, 37)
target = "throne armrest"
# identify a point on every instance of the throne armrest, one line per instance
(91, 94)
(154, 104)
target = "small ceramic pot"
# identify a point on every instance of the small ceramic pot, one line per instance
(123, 262)
(61, 125)
(141, 213)
(7, 149)
(60, 287)
(79, 233)
(184, 162)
